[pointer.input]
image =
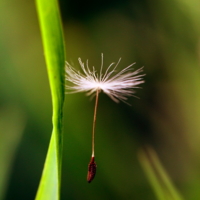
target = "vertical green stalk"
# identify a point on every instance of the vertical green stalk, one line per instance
(53, 43)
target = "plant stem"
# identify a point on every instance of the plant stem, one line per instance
(94, 121)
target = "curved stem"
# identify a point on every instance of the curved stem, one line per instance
(94, 121)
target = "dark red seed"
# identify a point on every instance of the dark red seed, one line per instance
(91, 170)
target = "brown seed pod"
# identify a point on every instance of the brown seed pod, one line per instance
(91, 170)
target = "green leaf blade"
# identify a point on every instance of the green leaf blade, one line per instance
(52, 37)
(49, 186)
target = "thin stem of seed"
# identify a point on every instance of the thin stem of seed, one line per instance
(94, 121)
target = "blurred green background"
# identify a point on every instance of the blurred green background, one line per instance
(162, 36)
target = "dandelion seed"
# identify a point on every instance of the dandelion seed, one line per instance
(91, 170)
(118, 86)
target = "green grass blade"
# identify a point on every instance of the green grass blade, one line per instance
(52, 37)
(157, 176)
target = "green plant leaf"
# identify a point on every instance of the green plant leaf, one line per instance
(52, 37)
(157, 176)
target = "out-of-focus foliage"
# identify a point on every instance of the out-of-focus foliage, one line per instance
(11, 128)
(157, 176)
(162, 36)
